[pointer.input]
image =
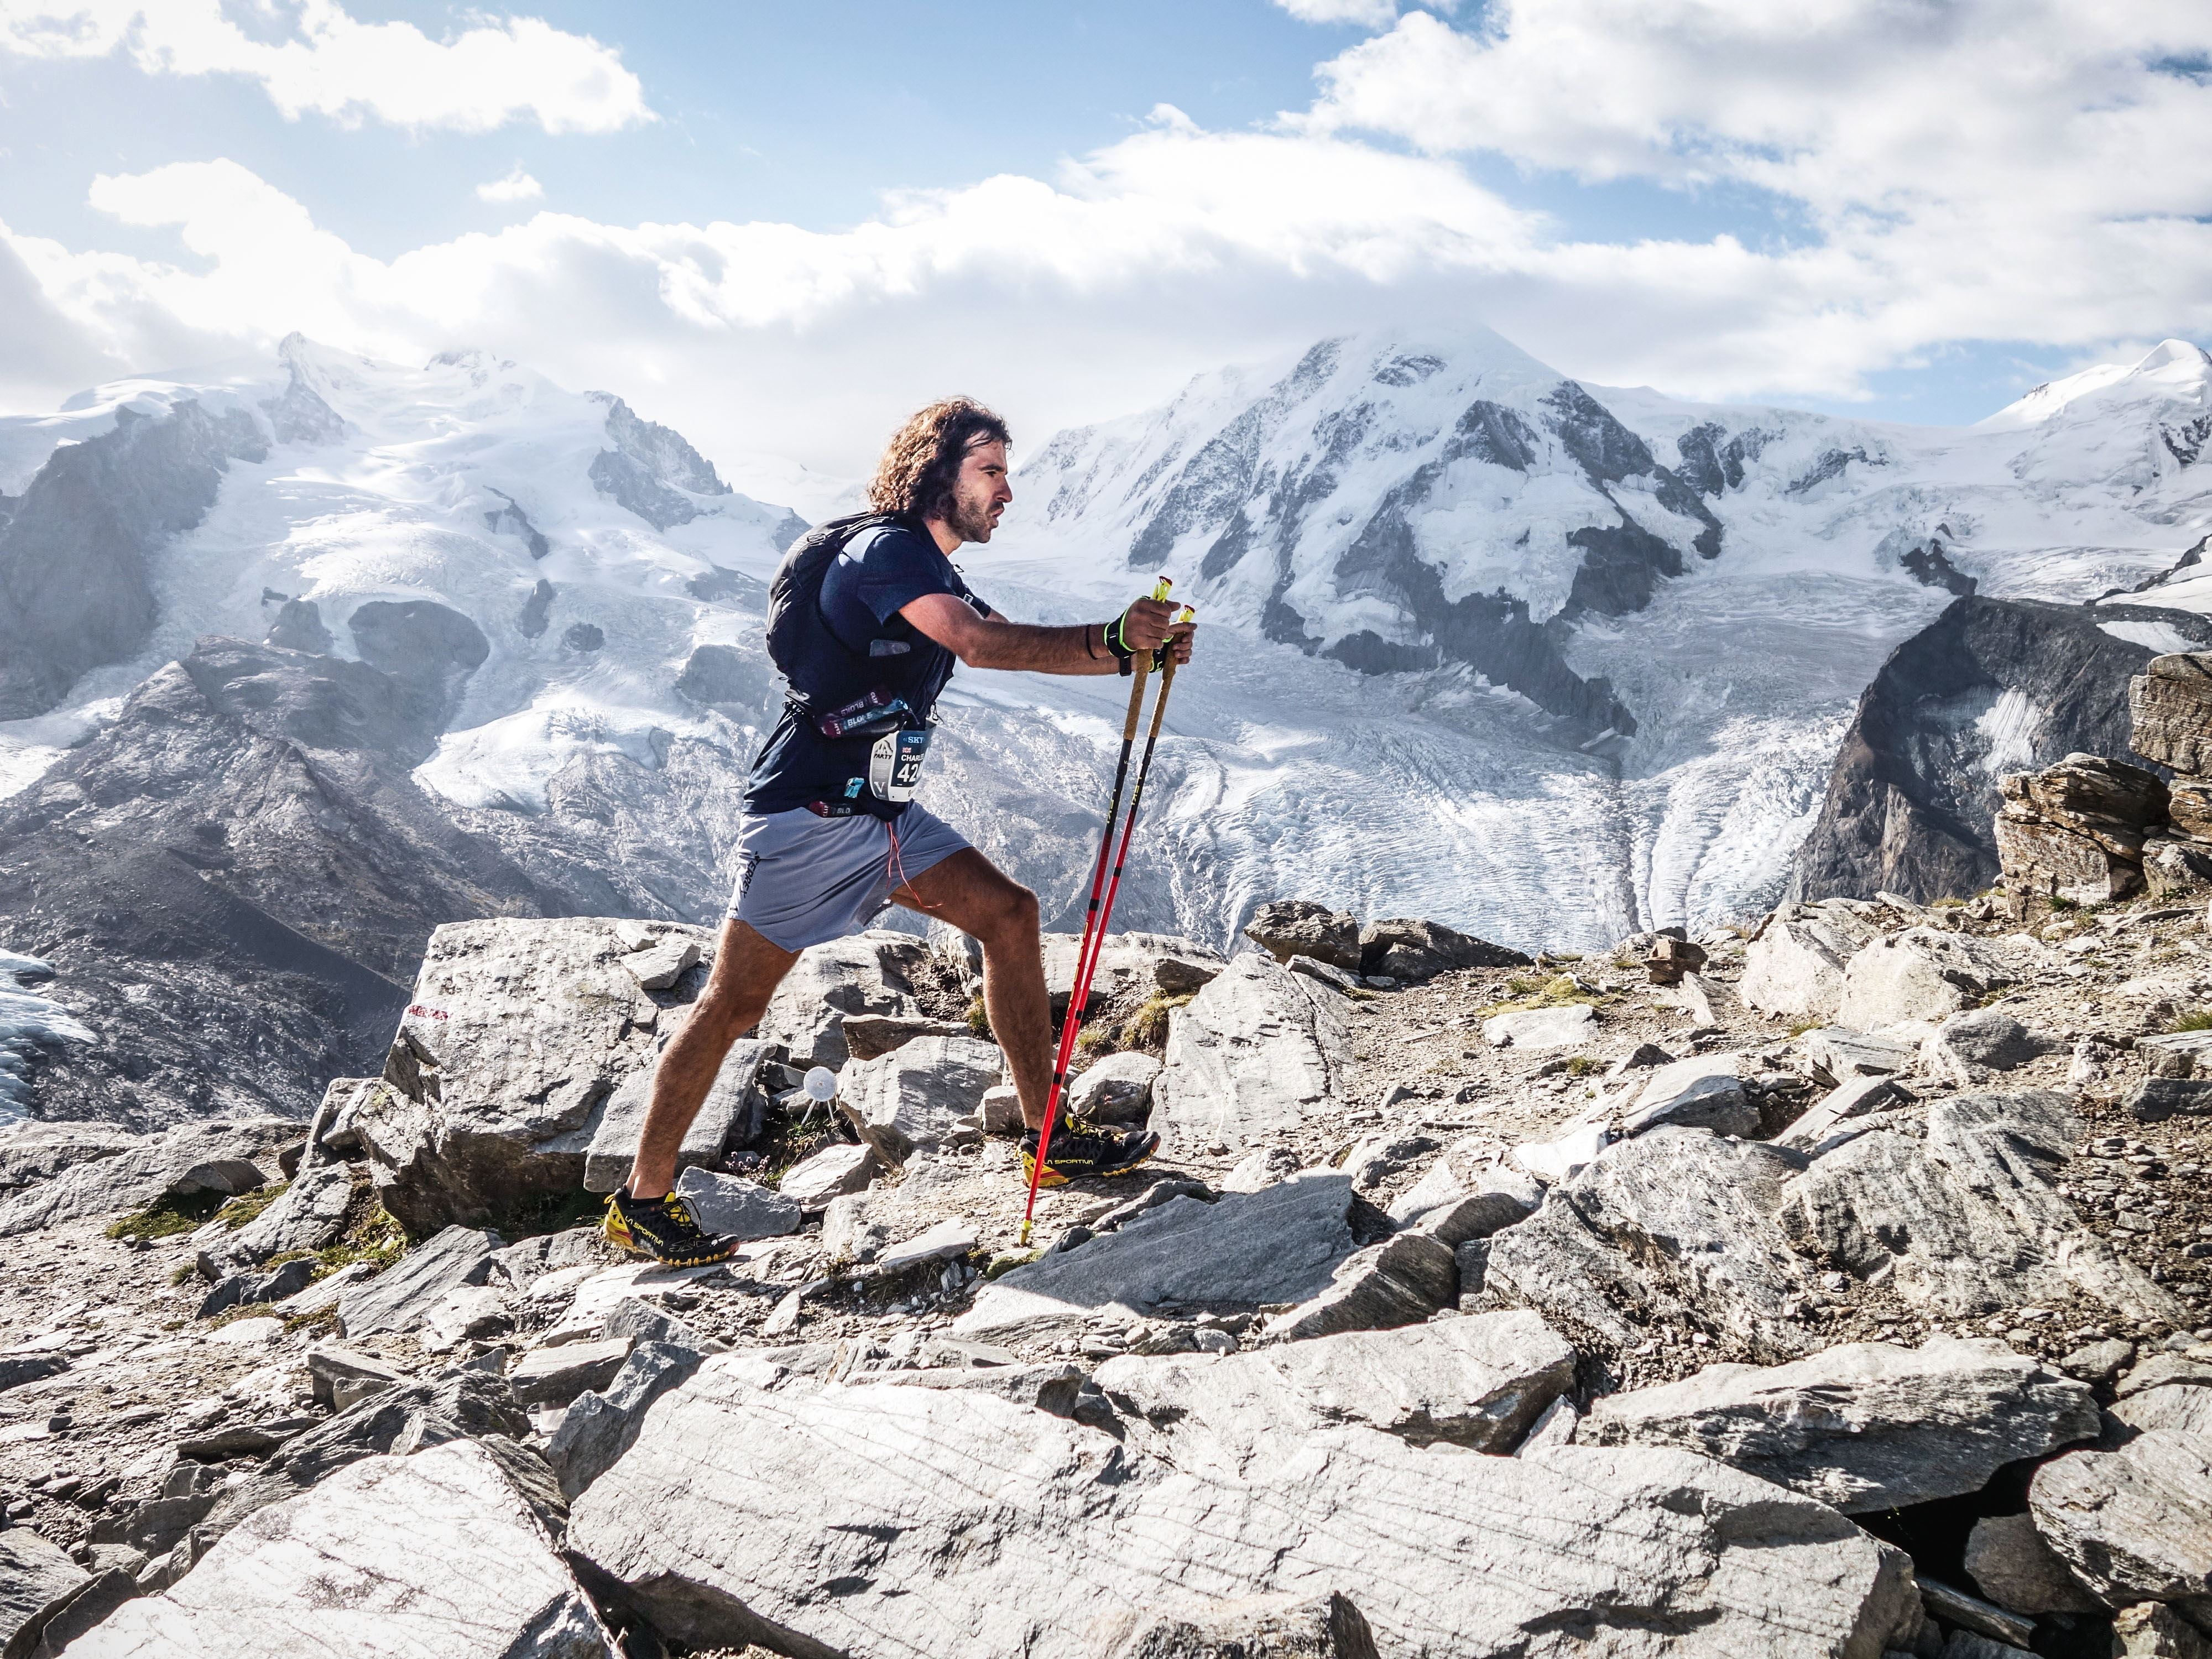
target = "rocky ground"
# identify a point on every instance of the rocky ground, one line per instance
(1878, 1236)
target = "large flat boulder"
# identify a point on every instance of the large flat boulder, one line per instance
(1865, 1426)
(1300, 928)
(1478, 1382)
(1408, 947)
(1921, 974)
(520, 1034)
(1130, 965)
(1538, 1030)
(2134, 1524)
(1793, 966)
(309, 1214)
(1244, 1249)
(2171, 704)
(1259, 1051)
(871, 973)
(912, 1099)
(901, 1522)
(436, 1552)
(36, 1580)
(1967, 1219)
(729, 1116)
(225, 1157)
(410, 1290)
(31, 1151)
(1704, 1092)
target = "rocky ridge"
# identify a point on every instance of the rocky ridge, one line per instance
(1848, 1276)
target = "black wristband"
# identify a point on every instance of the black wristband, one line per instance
(1111, 633)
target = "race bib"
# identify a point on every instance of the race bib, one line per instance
(894, 764)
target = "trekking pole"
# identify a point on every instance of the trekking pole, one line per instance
(1079, 988)
(1136, 795)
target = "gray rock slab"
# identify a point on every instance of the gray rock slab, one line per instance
(1493, 1200)
(31, 1151)
(1865, 1426)
(2161, 1369)
(1794, 967)
(37, 1579)
(2184, 1409)
(221, 1157)
(310, 1214)
(659, 966)
(519, 1033)
(870, 1036)
(555, 1376)
(1704, 1093)
(2011, 1564)
(527, 1260)
(2155, 1099)
(872, 973)
(1538, 1030)
(1845, 1055)
(1129, 964)
(1255, 1627)
(329, 1365)
(902, 1522)
(1834, 1111)
(1967, 1219)
(1478, 1382)
(831, 1173)
(1400, 1281)
(1045, 1387)
(1412, 948)
(403, 1295)
(725, 1114)
(945, 1242)
(1259, 1052)
(2134, 1525)
(736, 1207)
(912, 1099)
(599, 1425)
(1675, 1225)
(1967, 1049)
(1117, 1090)
(2098, 1362)
(1998, 1632)
(1279, 1244)
(1921, 974)
(436, 1553)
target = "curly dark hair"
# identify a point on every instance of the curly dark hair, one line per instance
(921, 464)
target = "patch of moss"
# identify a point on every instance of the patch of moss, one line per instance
(243, 1310)
(243, 1208)
(169, 1218)
(1581, 1066)
(1093, 1041)
(1147, 1028)
(323, 1322)
(1361, 994)
(1560, 992)
(371, 1236)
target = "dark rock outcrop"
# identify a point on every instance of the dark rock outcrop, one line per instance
(723, 673)
(234, 882)
(76, 592)
(651, 470)
(421, 644)
(1991, 686)
(299, 627)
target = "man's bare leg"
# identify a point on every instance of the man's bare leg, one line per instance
(747, 970)
(969, 892)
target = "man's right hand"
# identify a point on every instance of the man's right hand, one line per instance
(1146, 624)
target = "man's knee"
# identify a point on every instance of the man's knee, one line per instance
(1013, 919)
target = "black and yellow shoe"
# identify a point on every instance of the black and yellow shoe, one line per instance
(664, 1229)
(1077, 1152)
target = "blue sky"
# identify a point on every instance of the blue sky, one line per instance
(1910, 212)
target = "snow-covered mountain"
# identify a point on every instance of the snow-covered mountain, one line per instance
(1605, 642)
(1545, 660)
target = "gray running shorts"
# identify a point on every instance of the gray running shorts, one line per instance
(805, 880)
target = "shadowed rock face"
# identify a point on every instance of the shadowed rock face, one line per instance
(75, 590)
(1991, 686)
(236, 880)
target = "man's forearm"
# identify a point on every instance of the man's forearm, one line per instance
(1078, 650)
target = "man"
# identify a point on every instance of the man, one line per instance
(867, 618)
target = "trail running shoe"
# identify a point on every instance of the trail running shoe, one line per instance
(664, 1229)
(1086, 1153)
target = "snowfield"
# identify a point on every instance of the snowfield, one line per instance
(1544, 661)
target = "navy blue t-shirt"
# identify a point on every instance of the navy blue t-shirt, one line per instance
(881, 570)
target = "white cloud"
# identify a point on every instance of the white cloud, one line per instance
(1369, 13)
(329, 63)
(1951, 174)
(517, 187)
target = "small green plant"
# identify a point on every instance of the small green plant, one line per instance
(323, 1322)
(2060, 901)
(1361, 994)
(169, 1217)
(2198, 1020)
(1093, 1041)
(1521, 986)
(180, 1273)
(1581, 1066)
(1147, 1028)
(979, 1019)
(371, 1236)
(242, 1209)
(1800, 1027)
(243, 1310)
(1947, 904)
